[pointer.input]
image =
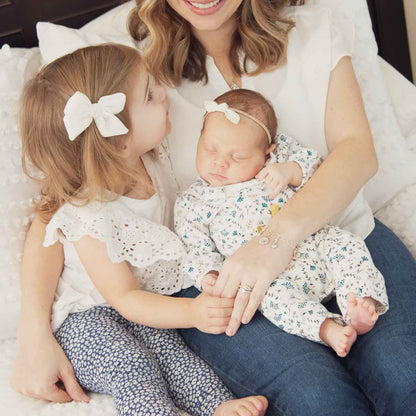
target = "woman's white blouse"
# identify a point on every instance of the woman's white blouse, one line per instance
(297, 90)
(133, 230)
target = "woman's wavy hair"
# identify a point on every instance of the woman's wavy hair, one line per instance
(76, 171)
(172, 52)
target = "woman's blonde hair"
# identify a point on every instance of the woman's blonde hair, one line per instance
(79, 170)
(172, 52)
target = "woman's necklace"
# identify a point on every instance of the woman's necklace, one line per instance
(233, 86)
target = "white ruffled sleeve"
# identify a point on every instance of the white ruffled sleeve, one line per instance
(128, 236)
(342, 33)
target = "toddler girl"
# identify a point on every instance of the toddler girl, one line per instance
(238, 164)
(92, 123)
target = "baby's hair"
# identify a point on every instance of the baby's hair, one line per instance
(254, 104)
(79, 170)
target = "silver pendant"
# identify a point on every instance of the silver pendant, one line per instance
(234, 86)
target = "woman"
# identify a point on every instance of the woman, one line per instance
(307, 74)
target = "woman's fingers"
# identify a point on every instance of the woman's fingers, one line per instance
(240, 304)
(221, 281)
(254, 302)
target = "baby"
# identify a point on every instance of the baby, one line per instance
(231, 202)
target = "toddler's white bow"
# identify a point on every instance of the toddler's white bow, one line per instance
(212, 106)
(79, 113)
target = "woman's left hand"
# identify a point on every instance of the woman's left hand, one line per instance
(255, 266)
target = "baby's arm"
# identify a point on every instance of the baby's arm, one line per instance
(120, 289)
(202, 254)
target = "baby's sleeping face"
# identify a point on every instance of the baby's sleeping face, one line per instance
(230, 153)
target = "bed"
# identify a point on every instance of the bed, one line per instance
(390, 101)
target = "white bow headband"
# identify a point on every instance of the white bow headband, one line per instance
(79, 113)
(232, 114)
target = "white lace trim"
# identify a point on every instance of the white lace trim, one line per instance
(128, 236)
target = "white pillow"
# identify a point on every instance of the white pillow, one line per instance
(56, 41)
(17, 190)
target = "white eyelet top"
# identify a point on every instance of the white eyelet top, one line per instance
(133, 230)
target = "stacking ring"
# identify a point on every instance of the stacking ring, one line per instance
(245, 289)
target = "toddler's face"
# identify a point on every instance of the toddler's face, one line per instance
(148, 108)
(230, 153)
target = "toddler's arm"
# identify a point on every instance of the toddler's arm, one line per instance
(120, 289)
(202, 255)
(40, 363)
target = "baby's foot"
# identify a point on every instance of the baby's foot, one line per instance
(339, 338)
(248, 406)
(362, 313)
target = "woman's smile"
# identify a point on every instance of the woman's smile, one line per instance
(205, 8)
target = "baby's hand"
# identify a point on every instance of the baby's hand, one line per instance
(279, 175)
(211, 314)
(208, 282)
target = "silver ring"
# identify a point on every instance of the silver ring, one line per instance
(245, 289)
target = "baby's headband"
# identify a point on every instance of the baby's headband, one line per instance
(79, 113)
(231, 114)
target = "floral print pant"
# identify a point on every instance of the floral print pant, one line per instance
(148, 371)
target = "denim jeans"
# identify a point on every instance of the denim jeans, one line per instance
(303, 378)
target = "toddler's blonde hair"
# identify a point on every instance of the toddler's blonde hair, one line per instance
(79, 170)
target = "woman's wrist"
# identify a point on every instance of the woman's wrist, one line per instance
(289, 228)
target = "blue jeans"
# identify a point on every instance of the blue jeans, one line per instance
(303, 378)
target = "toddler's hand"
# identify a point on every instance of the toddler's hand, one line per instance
(279, 175)
(208, 282)
(211, 314)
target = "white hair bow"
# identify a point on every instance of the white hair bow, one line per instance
(80, 112)
(212, 106)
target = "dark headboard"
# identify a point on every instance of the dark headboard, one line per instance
(389, 26)
(18, 19)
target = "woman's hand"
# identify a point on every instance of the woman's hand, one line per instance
(211, 314)
(39, 365)
(252, 265)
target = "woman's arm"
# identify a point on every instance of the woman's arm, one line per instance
(40, 362)
(120, 289)
(351, 162)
